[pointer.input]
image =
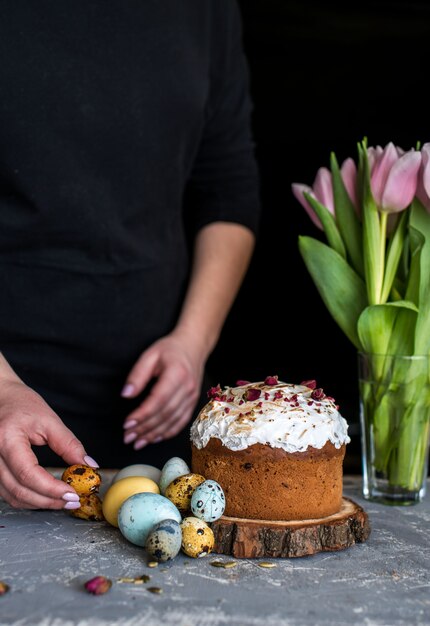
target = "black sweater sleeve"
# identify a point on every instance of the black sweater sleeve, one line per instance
(223, 185)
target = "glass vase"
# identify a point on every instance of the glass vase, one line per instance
(394, 417)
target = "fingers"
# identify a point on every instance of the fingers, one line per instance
(64, 443)
(23, 483)
(142, 372)
(149, 425)
(160, 428)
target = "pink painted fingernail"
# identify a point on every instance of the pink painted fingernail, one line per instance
(72, 505)
(141, 443)
(90, 461)
(128, 390)
(158, 439)
(129, 437)
(69, 496)
(130, 424)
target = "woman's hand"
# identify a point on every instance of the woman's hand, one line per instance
(178, 365)
(25, 420)
(222, 251)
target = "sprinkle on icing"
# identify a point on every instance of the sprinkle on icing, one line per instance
(281, 415)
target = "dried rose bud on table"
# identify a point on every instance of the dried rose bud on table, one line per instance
(98, 585)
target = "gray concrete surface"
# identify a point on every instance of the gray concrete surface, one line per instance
(46, 557)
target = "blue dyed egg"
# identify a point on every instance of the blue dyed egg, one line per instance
(164, 540)
(139, 514)
(173, 468)
(208, 501)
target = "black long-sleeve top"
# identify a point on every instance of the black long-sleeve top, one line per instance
(120, 124)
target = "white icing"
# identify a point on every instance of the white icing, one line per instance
(284, 416)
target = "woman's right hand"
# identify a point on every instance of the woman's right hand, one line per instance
(25, 420)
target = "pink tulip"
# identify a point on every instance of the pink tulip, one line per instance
(322, 189)
(373, 155)
(394, 176)
(348, 172)
(423, 187)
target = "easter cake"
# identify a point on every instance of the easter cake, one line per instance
(275, 448)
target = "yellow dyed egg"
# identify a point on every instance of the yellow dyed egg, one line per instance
(123, 489)
(197, 537)
(181, 489)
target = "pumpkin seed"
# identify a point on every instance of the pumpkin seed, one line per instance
(267, 564)
(155, 590)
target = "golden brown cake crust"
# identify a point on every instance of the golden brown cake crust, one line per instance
(261, 482)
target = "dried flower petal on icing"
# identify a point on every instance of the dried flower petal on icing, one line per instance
(318, 394)
(309, 383)
(271, 380)
(214, 392)
(227, 410)
(252, 394)
(277, 395)
(241, 383)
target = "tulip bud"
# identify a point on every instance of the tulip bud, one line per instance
(298, 191)
(394, 177)
(348, 172)
(323, 188)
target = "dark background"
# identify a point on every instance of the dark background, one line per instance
(322, 78)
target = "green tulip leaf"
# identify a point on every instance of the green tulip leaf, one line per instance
(373, 268)
(340, 287)
(420, 223)
(394, 254)
(329, 224)
(381, 327)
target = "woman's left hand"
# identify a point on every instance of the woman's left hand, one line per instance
(178, 367)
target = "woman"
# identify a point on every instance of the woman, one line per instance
(125, 144)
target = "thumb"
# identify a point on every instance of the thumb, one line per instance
(64, 443)
(141, 373)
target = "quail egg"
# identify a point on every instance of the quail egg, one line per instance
(82, 478)
(181, 489)
(164, 541)
(197, 537)
(208, 501)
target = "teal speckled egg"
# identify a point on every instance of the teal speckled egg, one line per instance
(139, 514)
(164, 540)
(173, 468)
(208, 501)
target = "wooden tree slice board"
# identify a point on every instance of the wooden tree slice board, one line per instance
(248, 538)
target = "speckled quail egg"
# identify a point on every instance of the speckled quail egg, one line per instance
(90, 509)
(164, 541)
(139, 469)
(139, 514)
(197, 537)
(82, 478)
(173, 468)
(208, 501)
(123, 489)
(181, 489)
